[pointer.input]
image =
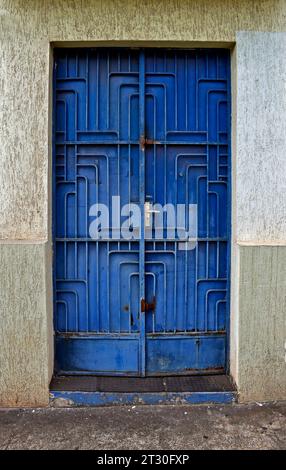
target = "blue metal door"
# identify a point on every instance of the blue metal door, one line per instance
(142, 128)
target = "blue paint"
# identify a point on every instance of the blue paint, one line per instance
(109, 398)
(229, 226)
(142, 198)
(104, 101)
(103, 354)
(180, 353)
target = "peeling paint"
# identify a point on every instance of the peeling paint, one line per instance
(76, 399)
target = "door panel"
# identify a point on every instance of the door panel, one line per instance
(149, 126)
(186, 163)
(97, 317)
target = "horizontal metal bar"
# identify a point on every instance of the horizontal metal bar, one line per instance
(151, 240)
(122, 335)
(136, 142)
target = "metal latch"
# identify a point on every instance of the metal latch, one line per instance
(143, 141)
(146, 307)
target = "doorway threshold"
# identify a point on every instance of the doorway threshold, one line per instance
(102, 390)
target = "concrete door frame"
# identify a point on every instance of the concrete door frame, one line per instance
(231, 46)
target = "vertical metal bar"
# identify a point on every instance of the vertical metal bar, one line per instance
(86, 284)
(186, 91)
(97, 92)
(54, 199)
(108, 286)
(176, 93)
(175, 326)
(229, 201)
(142, 365)
(87, 89)
(97, 314)
(75, 211)
(107, 91)
(186, 291)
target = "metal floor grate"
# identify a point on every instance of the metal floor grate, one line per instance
(207, 383)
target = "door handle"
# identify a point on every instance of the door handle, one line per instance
(147, 213)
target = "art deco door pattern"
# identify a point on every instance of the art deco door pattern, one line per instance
(149, 126)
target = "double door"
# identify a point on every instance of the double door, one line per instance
(138, 133)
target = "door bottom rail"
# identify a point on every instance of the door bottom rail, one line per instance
(120, 355)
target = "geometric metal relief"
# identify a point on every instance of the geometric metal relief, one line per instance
(99, 97)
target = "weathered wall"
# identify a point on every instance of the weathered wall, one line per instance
(26, 30)
(262, 323)
(261, 138)
(258, 313)
(25, 327)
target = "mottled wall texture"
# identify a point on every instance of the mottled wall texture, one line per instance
(28, 30)
(258, 312)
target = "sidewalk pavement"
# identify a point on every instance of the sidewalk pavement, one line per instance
(251, 426)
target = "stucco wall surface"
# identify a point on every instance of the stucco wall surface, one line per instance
(262, 323)
(27, 29)
(25, 326)
(258, 297)
(260, 155)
